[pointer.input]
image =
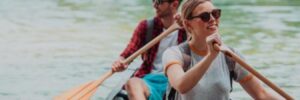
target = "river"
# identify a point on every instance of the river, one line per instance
(49, 46)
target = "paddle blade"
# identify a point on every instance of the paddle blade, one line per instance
(72, 92)
(89, 90)
(85, 90)
(89, 95)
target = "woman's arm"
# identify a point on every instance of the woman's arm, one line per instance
(255, 89)
(185, 81)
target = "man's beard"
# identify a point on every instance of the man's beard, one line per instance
(165, 13)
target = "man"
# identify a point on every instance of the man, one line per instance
(149, 81)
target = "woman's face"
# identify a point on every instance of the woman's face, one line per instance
(204, 19)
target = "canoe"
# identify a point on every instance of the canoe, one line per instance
(111, 89)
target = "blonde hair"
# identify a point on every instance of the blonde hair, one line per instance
(189, 6)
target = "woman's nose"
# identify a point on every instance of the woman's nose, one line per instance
(212, 19)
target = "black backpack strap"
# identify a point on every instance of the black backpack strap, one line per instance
(186, 54)
(150, 25)
(184, 34)
(172, 93)
(231, 65)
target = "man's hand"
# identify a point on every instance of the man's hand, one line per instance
(178, 19)
(118, 65)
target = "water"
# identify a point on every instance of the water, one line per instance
(49, 46)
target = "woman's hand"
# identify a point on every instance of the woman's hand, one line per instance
(210, 41)
(118, 65)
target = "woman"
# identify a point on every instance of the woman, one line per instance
(207, 77)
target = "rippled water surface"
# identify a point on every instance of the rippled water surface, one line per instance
(49, 46)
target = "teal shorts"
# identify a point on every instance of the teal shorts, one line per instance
(157, 84)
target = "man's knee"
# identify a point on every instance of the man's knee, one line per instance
(133, 83)
(136, 84)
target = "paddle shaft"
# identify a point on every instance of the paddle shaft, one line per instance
(254, 72)
(172, 28)
(99, 81)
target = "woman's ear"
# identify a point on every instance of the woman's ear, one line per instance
(186, 25)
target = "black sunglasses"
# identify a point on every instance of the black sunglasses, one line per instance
(159, 1)
(205, 16)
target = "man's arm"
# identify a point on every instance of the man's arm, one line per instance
(134, 44)
(136, 41)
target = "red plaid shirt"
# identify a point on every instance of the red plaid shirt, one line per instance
(138, 41)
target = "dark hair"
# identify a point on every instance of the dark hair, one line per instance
(175, 0)
(189, 6)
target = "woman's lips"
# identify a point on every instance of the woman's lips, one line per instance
(212, 27)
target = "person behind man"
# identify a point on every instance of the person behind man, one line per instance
(149, 81)
(205, 75)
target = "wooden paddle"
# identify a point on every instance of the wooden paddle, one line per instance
(251, 70)
(85, 91)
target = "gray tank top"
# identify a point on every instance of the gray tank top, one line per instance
(215, 84)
